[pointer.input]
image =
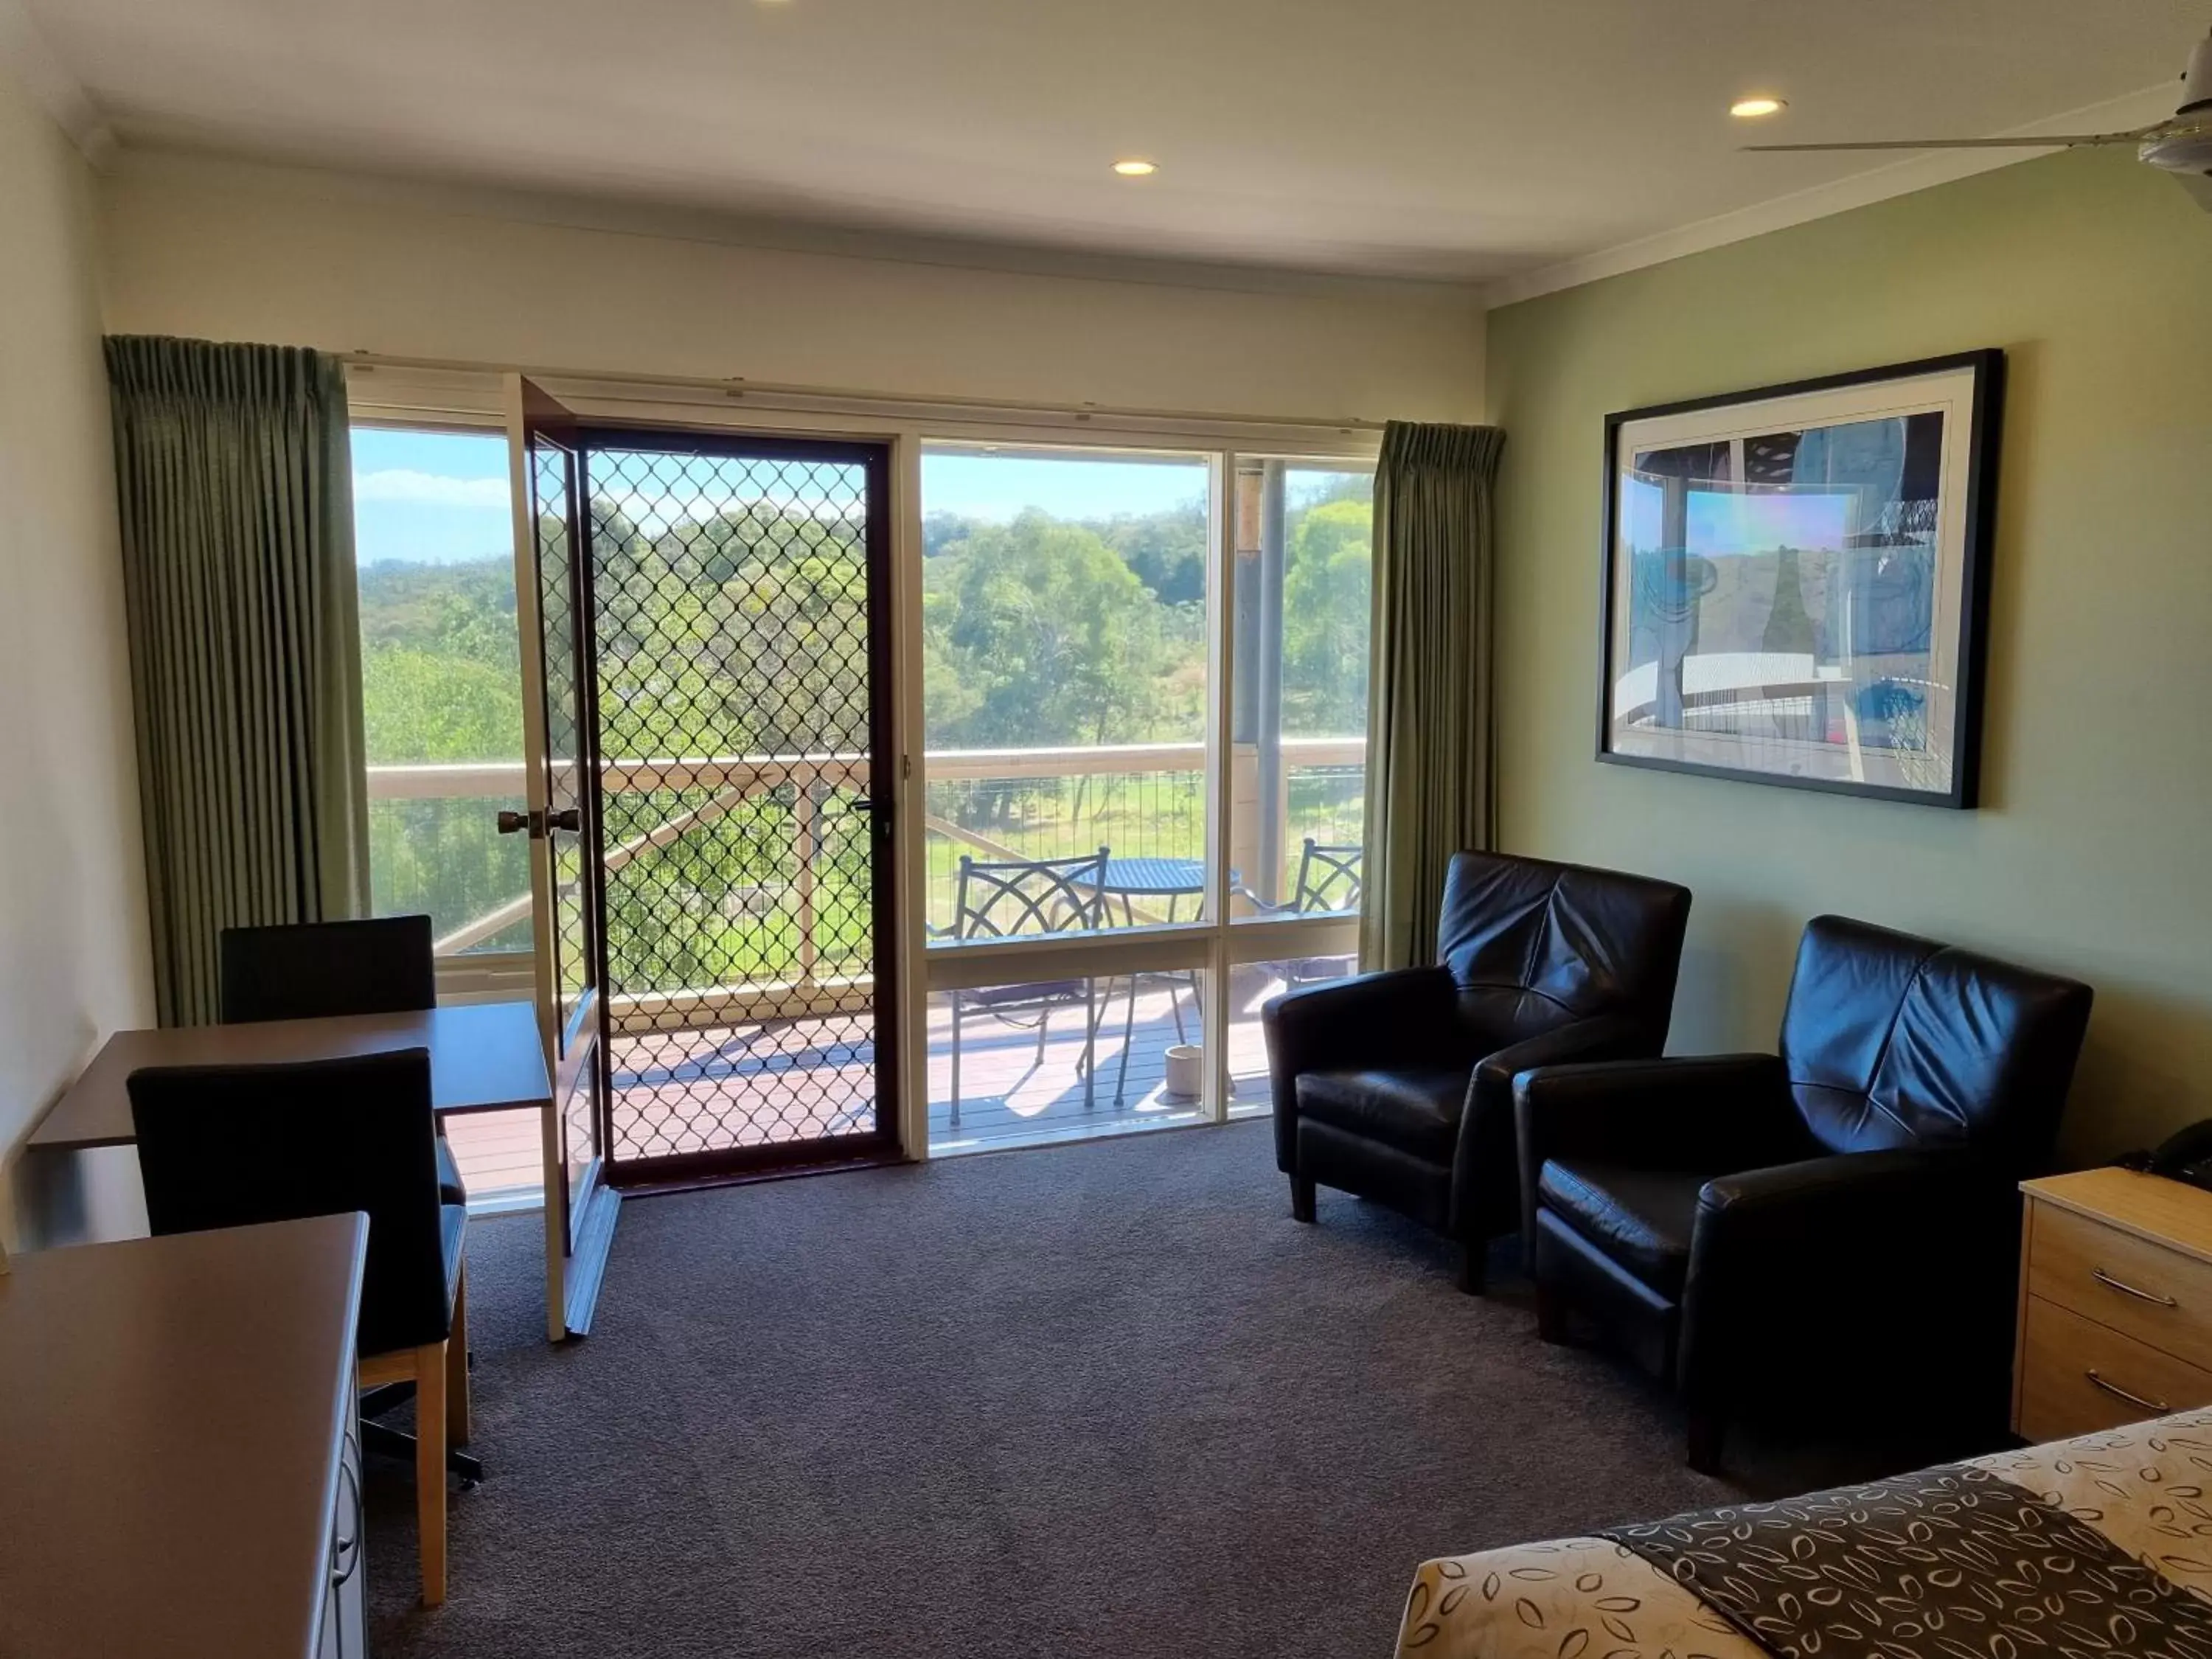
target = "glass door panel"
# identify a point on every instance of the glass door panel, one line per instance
(562, 819)
(1065, 678)
(1298, 723)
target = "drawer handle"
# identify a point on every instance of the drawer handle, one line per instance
(2158, 1408)
(2125, 1289)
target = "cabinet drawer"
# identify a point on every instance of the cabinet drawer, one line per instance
(2077, 1376)
(2146, 1291)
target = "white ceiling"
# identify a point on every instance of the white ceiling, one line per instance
(1467, 139)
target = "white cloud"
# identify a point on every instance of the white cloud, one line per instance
(428, 489)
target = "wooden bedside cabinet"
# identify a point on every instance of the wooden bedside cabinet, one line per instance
(2115, 1303)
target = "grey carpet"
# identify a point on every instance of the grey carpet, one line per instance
(1101, 1400)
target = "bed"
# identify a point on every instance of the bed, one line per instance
(2146, 1489)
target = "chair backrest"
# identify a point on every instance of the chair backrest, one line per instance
(312, 969)
(232, 1146)
(1533, 945)
(1013, 896)
(1891, 1040)
(1330, 878)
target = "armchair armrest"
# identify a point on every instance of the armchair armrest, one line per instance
(1659, 1113)
(1369, 1019)
(1395, 1016)
(1485, 1171)
(1912, 1251)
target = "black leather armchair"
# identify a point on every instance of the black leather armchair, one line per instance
(1836, 1225)
(1398, 1085)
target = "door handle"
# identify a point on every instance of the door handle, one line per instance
(538, 824)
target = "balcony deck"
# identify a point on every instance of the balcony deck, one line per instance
(678, 1085)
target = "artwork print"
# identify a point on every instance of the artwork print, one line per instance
(1794, 579)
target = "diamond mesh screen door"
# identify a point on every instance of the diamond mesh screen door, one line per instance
(741, 619)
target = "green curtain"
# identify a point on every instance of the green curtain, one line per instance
(1431, 726)
(234, 481)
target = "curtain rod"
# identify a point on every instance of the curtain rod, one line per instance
(737, 387)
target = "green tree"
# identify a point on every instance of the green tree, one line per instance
(1328, 567)
(1049, 638)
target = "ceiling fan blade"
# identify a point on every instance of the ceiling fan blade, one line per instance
(2062, 141)
(2198, 185)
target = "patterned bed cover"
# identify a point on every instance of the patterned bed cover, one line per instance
(2147, 1488)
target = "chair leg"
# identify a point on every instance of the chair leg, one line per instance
(956, 1062)
(1551, 1316)
(430, 1468)
(1474, 1264)
(1090, 1043)
(1707, 1430)
(1128, 1042)
(1301, 1198)
(457, 1366)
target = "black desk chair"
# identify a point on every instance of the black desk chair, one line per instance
(323, 970)
(234, 1145)
(1836, 1225)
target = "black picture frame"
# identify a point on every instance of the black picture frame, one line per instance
(1984, 441)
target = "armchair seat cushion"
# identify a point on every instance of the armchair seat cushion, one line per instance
(1414, 1111)
(1642, 1220)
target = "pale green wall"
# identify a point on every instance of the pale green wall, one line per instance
(2091, 852)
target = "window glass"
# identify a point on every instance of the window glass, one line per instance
(441, 683)
(1064, 687)
(1297, 766)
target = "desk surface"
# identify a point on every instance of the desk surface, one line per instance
(484, 1057)
(170, 1415)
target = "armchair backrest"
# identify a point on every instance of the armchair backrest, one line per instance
(1891, 1040)
(1533, 945)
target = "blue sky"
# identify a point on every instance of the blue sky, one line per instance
(439, 497)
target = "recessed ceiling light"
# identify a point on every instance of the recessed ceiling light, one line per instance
(1750, 109)
(1134, 168)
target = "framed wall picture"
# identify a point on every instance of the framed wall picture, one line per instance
(1796, 581)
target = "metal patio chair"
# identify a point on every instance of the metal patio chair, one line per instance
(1331, 882)
(1022, 897)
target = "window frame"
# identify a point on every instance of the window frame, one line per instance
(427, 396)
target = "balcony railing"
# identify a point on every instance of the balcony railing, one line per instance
(685, 820)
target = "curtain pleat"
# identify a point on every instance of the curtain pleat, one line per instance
(1432, 752)
(234, 481)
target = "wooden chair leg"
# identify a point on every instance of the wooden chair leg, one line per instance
(430, 1467)
(1301, 1198)
(457, 1366)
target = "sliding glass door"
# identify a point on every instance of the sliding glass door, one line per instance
(1144, 686)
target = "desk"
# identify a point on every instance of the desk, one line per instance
(484, 1057)
(175, 1414)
